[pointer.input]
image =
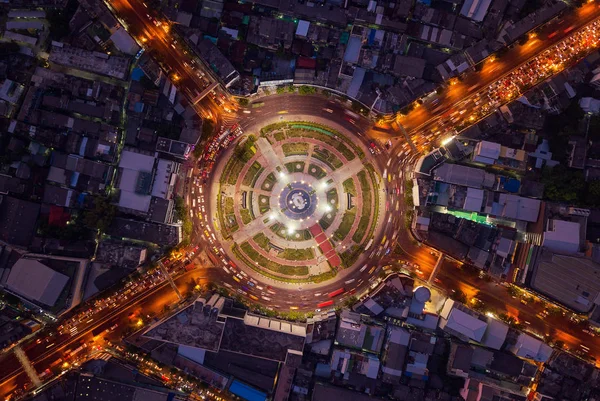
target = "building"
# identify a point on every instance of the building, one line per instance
(463, 175)
(99, 63)
(120, 255)
(528, 347)
(147, 185)
(572, 281)
(590, 104)
(494, 154)
(495, 334)
(354, 333)
(514, 207)
(562, 236)
(475, 9)
(212, 326)
(458, 320)
(159, 234)
(218, 62)
(18, 220)
(395, 351)
(36, 282)
(124, 42)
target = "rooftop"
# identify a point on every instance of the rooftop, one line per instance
(194, 326)
(463, 175)
(36, 281)
(457, 321)
(573, 281)
(562, 236)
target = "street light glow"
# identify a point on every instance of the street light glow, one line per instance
(447, 141)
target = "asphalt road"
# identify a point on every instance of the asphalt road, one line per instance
(495, 297)
(460, 95)
(54, 345)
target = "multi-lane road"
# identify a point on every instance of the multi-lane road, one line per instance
(433, 119)
(192, 78)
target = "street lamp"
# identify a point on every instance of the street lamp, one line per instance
(447, 141)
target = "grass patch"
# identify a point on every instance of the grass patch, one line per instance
(297, 254)
(246, 216)
(351, 255)
(334, 138)
(324, 276)
(295, 167)
(228, 205)
(367, 204)
(262, 241)
(270, 180)
(270, 265)
(295, 148)
(375, 208)
(263, 207)
(325, 221)
(345, 225)
(252, 174)
(279, 136)
(318, 173)
(327, 157)
(303, 234)
(349, 186)
(363, 223)
(243, 258)
(272, 127)
(231, 171)
(229, 223)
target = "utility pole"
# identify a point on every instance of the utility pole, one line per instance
(168, 276)
(407, 137)
(26, 363)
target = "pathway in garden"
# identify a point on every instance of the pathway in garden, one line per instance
(268, 152)
(349, 169)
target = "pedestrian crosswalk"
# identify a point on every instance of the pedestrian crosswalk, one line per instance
(104, 356)
(534, 238)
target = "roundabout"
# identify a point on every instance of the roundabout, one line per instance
(298, 202)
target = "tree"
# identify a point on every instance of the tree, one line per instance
(562, 184)
(243, 101)
(280, 90)
(101, 215)
(512, 291)
(348, 302)
(592, 196)
(59, 20)
(306, 90)
(8, 48)
(460, 296)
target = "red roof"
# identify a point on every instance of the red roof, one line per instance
(305, 62)
(58, 216)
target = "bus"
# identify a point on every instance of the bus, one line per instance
(336, 293)
(324, 304)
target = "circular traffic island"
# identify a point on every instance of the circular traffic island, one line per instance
(297, 201)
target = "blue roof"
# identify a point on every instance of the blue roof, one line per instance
(372, 34)
(137, 74)
(353, 49)
(512, 185)
(139, 107)
(246, 392)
